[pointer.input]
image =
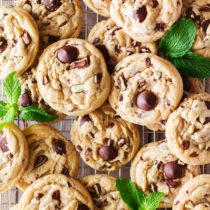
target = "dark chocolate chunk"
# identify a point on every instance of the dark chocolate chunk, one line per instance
(121, 97)
(148, 62)
(107, 153)
(25, 100)
(172, 184)
(3, 44)
(191, 14)
(26, 38)
(67, 54)
(79, 64)
(207, 120)
(205, 8)
(56, 196)
(84, 119)
(65, 171)
(96, 40)
(98, 77)
(160, 27)
(59, 146)
(173, 170)
(40, 160)
(39, 196)
(114, 30)
(194, 154)
(140, 14)
(153, 3)
(3, 144)
(79, 148)
(186, 144)
(52, 5)
(88, 150)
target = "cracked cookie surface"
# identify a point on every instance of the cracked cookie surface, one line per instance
(49, 153)
(194, 194)
(19, 40)
(56, 192)
(145, 89)
(13, 156)
(72, 77)
(104, 140)
(155, 168)
(188, 130)
(56, 19)
(103, 191)
(147, 20)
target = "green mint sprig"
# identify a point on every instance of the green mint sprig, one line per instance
(176, 44)
(9, 111)
(135, 199)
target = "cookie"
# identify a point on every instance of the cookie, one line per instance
(145, 21)
(19, 40)
(115, 44)
(30, 94)
(49, 153)
(56, 192)
(155, 168)
(199, 12)
(72, 77)
(145, 89)
(194, 194)
(56, 19)
(104, 140)
(13, 156)
(103, 191)
(188, 130)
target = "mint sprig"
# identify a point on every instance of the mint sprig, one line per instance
(9, 111)
(135, 199)
(176, 44)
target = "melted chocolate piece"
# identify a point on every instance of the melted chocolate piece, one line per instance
(3, 44)
(84, 119)
(140, 14)
(173, 170)
(3, 145)
(59, 146)
(25, 100)
(107, 153)
(52, 5)
(40, 160)
(146, 100)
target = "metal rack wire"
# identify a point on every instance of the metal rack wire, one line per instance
(7, 200)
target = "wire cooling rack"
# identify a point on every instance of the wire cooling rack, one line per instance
(12, 197)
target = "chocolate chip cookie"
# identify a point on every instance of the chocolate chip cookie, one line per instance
(103, 191)
(19, 40)
(72, 77)
(31, 96)
(49, 153)
(115, 44)
(145, 21)
(156, 169)
(194, 194)
(145, 89)
(104, 140)
(188, 130)
(13, 156)
(56, 192)
(199, 12)
(56, 19)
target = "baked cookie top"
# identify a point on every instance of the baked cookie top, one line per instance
(145, 89)
(104, 140)
(155, 168)
(56, 192)
(19, 40)
(56, 19)
(103, 191)
(188, 130)
(49, 153)
(72, 77)
(199, 12)
(194, 194)
(147, 20)
(13, 156)
(115, 44)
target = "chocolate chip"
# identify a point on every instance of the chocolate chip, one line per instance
(172, 184)
(10, 156)
(52, 5)
(3, 144)
(56, 196)
(45, 80)
(79, 148)
(173, 170)
(121, 97)
(59, 146)
(140, 14)
(65, 171)
(91, 135)
(207, 120)
(104, 51)
(83, 207)
(96, 40)
(148, 62)
(186, 83)
(26, 38)
(153, 187)
(39, 196)
(191, 14)
(145, 50)
(205, 25)
(81, 63)
(160, 27)
(97, 190)
(141, 83)
(84, 119)
(110, 125)
(206, 8)
(186, 145)
(88, 150)
(3, 44)
(163, 122)
(40, 160)
(67, 54)
(194, 154)
(146, 100)
(69, 184)
(153, 3)
(114, 30)
(158, 164)
(117, 49)
(25, 100)
(98, 78)
(122, 82)
(108, 142)
(107, 153)
(129, 53)
(52, 39)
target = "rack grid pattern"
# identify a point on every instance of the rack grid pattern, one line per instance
(9, 199)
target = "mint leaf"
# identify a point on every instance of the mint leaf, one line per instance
(128, 193)
(2, 125)
(3, 109)
(179, 38)
(32, 113)
(11, 113)
(192, 65)
(12, 88)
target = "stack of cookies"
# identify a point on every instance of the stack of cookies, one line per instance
(112, 82)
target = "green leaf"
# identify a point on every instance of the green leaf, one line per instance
(179, 38)
(3, 109)
(12, 88)
(192, 65)
(32, 113)
(11, 113)
(128, 193)
(2, 125)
